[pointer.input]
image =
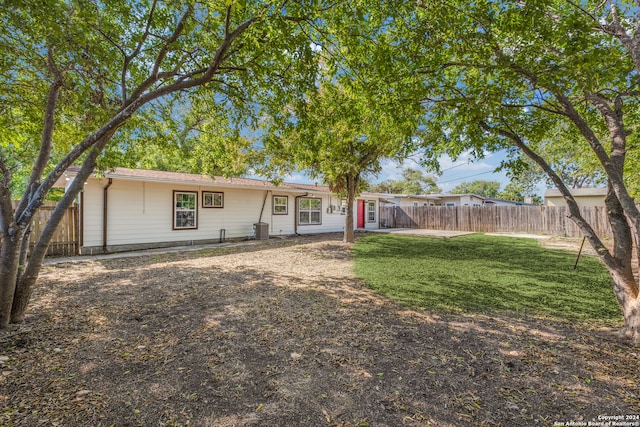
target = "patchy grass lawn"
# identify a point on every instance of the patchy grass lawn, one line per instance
(487, 274)
(282, 334)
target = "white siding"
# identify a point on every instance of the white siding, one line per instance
(92, 212)
(141, 212)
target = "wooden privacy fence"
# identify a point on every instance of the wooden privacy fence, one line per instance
(65, 241)
(551, 220)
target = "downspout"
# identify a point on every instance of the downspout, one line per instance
(81, 236)
(105, 200)
(295, 217)
(266, 193)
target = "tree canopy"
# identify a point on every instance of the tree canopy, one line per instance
(341, 136)
(413, 181)
(97, 84)
(509, 75)
(480, 187)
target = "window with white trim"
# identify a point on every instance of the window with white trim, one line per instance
(371, 211)
(212, 199)
(309, 211)
(280, 205)
(185, 210)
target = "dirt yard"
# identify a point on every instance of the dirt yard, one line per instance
(282, 334)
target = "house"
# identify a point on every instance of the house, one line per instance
(583, 197)
(492, 201)
(129, 209)
(406, 200)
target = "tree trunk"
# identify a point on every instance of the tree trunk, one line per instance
(9, 264)
(24, 286)
(349, 234)
(626, 290)
(631, 329)
(24, 250)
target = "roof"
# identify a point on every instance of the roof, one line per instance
(410, 196)
(197, 179)
(444, 196)
(432, 196)
(579, 192)
(491, 200)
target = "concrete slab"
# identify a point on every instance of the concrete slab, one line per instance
(423, 233)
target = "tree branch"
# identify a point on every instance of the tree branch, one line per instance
(46, 142)
(121, 116)
(615, 166)
(227, 21)
(136, 52)
(574, 210)
(155, 73)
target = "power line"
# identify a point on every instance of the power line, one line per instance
(464, 177)
(453, 167)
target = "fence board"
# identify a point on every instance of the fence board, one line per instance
(550, 220)
(65, 241)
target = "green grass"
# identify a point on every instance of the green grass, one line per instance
(487, 274)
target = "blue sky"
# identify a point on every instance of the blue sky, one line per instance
(454, 172)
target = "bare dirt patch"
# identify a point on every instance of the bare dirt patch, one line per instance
(282, 334)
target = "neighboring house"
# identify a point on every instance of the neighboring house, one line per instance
(129, 209)
(502, 202)
(406, 200)
(583, 197)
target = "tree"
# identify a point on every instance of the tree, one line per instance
(574, 162)
(84, 82)
(518, 192)
(413, 182)
(480, 187)
(341, 136)
(507, 74)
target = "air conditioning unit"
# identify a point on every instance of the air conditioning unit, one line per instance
(262, 230)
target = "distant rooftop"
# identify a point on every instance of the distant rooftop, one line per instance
(584, 192)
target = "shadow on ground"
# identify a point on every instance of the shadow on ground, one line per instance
(288, 337)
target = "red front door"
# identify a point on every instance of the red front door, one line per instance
(360, 213)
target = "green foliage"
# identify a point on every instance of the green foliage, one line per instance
(518, 192)
(479, 187)
(340, 132)
(271, 65)
(486, 274)
(413, 182)
(504, 66)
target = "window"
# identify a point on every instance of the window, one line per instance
(415, 204)
(309, 211)
(343, 207)
(280, 205)
(185, 210)
(212, 199)
(371, 211)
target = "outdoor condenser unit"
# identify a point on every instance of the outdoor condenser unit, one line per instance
(262, 230)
